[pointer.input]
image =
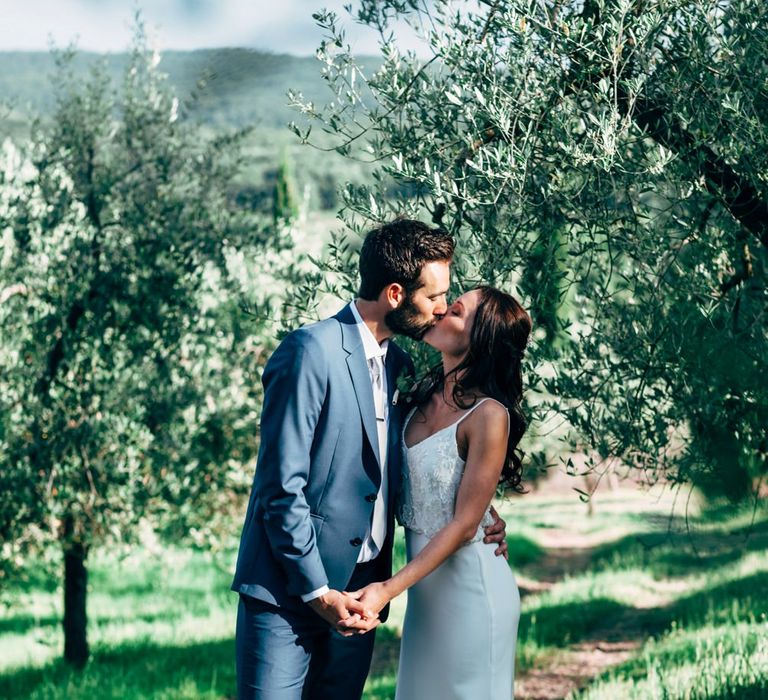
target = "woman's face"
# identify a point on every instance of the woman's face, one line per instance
(451, 334)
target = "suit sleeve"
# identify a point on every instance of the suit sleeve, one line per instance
(295, 381)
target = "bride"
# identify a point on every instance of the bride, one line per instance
(460, 626)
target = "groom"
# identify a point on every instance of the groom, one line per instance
(320, 519)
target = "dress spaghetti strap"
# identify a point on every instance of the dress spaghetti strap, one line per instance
(485, 398)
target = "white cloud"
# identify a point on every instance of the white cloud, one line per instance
(105, 25)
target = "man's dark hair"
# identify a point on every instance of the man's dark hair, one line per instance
(396, 252)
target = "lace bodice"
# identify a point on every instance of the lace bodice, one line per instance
(432, 473)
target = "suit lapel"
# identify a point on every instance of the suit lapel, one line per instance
(361, 381)
(395, 426)
(390, 369)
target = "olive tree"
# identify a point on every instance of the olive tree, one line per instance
(607, 160)
(128, 374)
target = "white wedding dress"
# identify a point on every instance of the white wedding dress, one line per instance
(460, 625)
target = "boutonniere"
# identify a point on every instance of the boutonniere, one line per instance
(404, 385)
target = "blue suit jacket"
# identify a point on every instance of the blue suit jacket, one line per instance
(318, 471)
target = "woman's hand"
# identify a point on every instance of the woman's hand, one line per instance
(497, 533)
(373, 598)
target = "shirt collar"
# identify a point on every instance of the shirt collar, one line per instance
(370, 346)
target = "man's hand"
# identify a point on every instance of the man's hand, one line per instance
(343, 613)
(497, 532)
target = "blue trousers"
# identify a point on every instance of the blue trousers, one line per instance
(286, 654)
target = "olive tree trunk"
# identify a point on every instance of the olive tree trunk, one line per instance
(75, 591)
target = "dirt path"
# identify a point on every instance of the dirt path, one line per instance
(573, 668)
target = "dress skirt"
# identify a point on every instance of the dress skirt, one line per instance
(460, 628)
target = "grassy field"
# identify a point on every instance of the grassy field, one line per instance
(636, 601)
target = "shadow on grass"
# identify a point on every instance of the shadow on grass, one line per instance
(558, 625)
(753, 691)
(19, 624)
(733, 601)
(523, 551)
(197, 575)
(741, 600)
(200, 670)
(690, 647)
(33, 579)
(567, 623)
(676, 553)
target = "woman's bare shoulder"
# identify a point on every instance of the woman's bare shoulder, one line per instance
(489, 417)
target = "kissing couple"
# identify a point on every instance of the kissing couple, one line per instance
(342, 452)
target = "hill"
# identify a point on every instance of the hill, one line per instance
(242, 86)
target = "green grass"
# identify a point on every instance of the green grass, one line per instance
(134, 670)
(151, 620)
(693, 593)
(710, 662)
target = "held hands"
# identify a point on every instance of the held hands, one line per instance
(358, 612)
(372, 598)
(344, 613)
(497, 532)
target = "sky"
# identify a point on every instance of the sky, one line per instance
(280, 26)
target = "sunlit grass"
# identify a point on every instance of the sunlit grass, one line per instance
(161, 625)
(176, 595)
(138, 670)
(712, 662)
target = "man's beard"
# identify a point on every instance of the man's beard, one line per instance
(405, 321)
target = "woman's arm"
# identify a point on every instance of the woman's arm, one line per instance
(486, 452)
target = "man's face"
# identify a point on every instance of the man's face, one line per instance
(422, 309)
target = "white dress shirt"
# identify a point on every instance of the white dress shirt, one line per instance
(375, 355)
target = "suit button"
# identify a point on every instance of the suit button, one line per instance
(371, 497)
(356, 542)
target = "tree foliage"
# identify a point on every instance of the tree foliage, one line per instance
(285, 205)
(128, 374)
(608, 161)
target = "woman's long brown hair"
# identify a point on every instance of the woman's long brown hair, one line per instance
(492, 366)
